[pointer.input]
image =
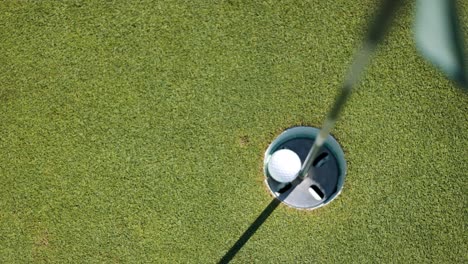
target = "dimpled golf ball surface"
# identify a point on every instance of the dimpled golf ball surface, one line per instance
(284, 165)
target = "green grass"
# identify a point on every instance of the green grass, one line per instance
(134, 132)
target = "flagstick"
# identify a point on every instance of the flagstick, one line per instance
(376, 33)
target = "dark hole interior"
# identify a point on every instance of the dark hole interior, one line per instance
(285, 188)
(320, 160)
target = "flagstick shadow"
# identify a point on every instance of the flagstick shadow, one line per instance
(250, 231)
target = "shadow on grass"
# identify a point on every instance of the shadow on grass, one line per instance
(250, 231)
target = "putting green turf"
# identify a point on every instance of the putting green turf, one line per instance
(135, 132)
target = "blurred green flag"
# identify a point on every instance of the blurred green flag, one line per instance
(439, 37)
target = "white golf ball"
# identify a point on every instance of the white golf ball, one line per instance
(284, 165)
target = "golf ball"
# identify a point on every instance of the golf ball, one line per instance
(284, 165)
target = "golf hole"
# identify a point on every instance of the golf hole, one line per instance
(320, 160)
(315, 191)
(327, 171)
